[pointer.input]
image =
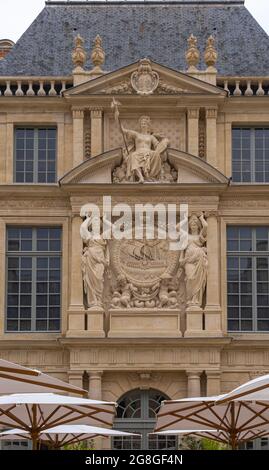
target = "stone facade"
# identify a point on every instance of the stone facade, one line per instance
(115, 348)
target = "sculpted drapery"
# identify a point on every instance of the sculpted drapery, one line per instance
(194, 261)
(143, 158)
(144, 161)
(94, 261)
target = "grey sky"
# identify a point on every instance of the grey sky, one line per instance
(17, 15)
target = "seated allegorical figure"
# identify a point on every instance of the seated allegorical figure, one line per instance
(143, 159)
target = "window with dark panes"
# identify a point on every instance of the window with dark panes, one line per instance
(33, 279)
(35, 155)
(250, 154)
(136, 413)
(248, 278)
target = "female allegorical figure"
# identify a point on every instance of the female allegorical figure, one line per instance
(94, 261)
(195, 261)
(144, 160)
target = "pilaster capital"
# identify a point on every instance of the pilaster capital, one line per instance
(211, 113)
(193, 113)
(96, 112)
(194, 373)
(78, 113)
(75, 373)
(95, 374)
(212, 214)
(213, 374)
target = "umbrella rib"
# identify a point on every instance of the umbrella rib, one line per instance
(82, 414)
(208, 407)
(43, 384)
(49, 424)
(55, 410)
(221, 420)
(200, 420)
(41, 415)
(8, 370)
(189, 407)
(15, 419)
(255, 415)
(238, 414)
(29, 414)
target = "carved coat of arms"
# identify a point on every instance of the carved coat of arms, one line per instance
(144, 80)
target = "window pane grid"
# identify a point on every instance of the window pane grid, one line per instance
(250, 155)
(35, 155)
(34, 279)
(248, 278)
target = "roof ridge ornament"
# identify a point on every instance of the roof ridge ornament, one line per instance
(79, 55)
(192, 54)
(98, 55)
(144, 80)
(211, 54)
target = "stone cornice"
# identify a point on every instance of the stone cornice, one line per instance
(203, 342)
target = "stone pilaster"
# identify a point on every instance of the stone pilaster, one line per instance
(213, 382)
(193, 131)
(76, 317)
(96, 131)
(78, 136)
(211, 136)
(212, 310)
(76, 378)
(194, 383)
(95, 385)
(95, 393)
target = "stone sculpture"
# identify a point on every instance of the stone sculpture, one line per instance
(145, 159)
(94, 262)
(194, 261)
(144, 81)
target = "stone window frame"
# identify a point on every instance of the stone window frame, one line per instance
(253, 156)
(46, 220)
(36, 254)
(255, 218)
(244, 247)
(36, 160)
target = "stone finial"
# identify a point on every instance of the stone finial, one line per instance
(79, 55)
(192, 55)
(98, 55)
(211, 54)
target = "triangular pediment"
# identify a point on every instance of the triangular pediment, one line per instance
(170, 82)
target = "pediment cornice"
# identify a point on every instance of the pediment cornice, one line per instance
(119, 82)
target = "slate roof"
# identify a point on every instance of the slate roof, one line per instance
(131, 31)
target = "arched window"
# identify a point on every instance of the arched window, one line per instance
(136, 413)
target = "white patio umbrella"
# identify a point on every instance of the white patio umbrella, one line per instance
(235, 419)
(215, 435)
(15, 378)
(59, 436)
(38, 412)
(258, 386)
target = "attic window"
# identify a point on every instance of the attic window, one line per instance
(5, 47)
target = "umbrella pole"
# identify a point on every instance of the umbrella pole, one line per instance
(234, 443)
(34, 433)
(34, 441)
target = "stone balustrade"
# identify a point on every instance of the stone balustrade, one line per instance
(246, 86)
(34, 86)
